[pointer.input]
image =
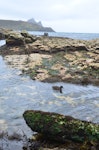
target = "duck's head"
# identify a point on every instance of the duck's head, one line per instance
(61, 89)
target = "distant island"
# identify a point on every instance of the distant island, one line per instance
(29, 25)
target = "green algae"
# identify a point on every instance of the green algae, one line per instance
(60, 127)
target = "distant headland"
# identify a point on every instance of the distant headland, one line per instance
(29, 25)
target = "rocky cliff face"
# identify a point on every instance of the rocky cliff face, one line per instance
(32, 20)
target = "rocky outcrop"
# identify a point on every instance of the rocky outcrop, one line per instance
(28, 38)
(61, 59)
(14, 38)
(47, 44)
(61, 128)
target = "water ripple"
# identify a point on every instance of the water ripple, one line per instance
(19, 93)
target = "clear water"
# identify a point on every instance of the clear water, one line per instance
(20, 93)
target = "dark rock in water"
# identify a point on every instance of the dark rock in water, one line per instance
(61, 128)
(45, 34)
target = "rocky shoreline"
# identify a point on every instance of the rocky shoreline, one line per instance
(53, 59)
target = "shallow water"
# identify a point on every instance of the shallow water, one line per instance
(20, 93)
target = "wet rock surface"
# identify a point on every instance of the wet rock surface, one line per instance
(51, 59)
(60, 127)
(70, 133)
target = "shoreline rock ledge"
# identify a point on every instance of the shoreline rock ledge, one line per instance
(57, 127)
(52, 59)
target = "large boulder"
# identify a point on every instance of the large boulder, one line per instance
(19, 38)
(61, 128)
(15, 39)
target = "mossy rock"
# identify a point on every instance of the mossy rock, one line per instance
(61, 128)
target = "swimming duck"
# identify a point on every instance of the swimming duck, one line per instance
(58, 88)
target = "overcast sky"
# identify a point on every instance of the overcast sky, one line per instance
(61, 15)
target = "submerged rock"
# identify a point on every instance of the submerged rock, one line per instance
(61, 128)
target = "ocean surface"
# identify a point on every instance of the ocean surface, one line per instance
(82, 36)
(20, 93)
